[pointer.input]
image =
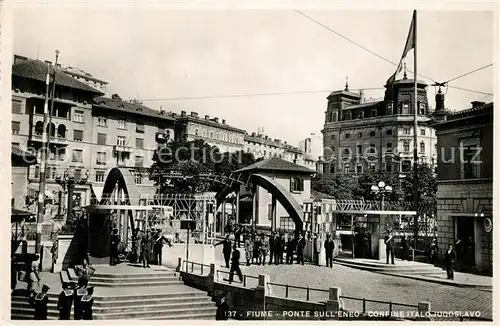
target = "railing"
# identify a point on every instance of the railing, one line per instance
(391, 304)
(202, 268)
(307, 289)
(245, 277)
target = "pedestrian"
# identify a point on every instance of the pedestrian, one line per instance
(264, 249)
(222, 308)
(450, 257)
(55, 251)
(317, 248)
(146, 247)
(237, 235)
(280, 249)
(329, 247)
(78, 294)
(136, 246)
(226, 249)
(434, 249)
(272, 247)
(257, 253)
(115, 240)
(32, 276)
(389, 246)
(404, 248)
(301, 243)
(248, 250)
(83, 272)
(65, 301)
(290, 246)
(39, 302)
(87, 303)
(469, 250)
(158, 246)
(235, 265)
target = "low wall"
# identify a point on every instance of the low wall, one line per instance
(197, 252)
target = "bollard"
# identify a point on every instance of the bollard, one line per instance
(334, 303)
(179, 264)
(424, 309)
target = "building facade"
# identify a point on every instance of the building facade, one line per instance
(212, 131)
(359, 135)
(465, 184)
(312, 146)
(89, 134)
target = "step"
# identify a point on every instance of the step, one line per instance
(167, 314)
(135, 275)
(119, 281)
(161, 300)
(198, 316)
(388, 268)
(149, 307)
(189, 293)
(30, 313)
(134, 284)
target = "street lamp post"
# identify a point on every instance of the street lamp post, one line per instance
(381, 189)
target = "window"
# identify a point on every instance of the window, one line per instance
(333, 117)
(122, 124)
(406, 131)
(421, 109)
(77, 135)
(374, 112)
(389, 147)
(332, 136)
(371, 150)
(121, 140)
(101, 139)
(345, 168)
(296, 185)
(139, 143)
(139, 161)
(359, 149)
(196, 132)
(372, 133)
(16, 127)
(388, 132)
(137, 178)
(470, 164)
(361, 114)
(406, 166)
(360, 134)
(139, 127)
(372, 166)
(101, 158)
(78, 174)
(99, 176)
(406, 108)
(389, 109)
(422, 132)
(347, 115)
(211, 135)
(51, 172)
(78, 155)
(347, 136)
(16, 106)
(78, 116)
(388, 167)
(346, 152)
(60, 154)
(422, 147)
(102, 121)
(37, 172)
(359, 169)
(406, 146)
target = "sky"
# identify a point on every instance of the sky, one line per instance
(154, 55)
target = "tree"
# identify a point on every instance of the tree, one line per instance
(426, 188)
(338, 185)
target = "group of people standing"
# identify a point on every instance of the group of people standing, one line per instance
(148, 247)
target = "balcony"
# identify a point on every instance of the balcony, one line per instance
(53, 140)
(162, 137)
(122, 149)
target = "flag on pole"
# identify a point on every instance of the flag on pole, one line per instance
(410, 44)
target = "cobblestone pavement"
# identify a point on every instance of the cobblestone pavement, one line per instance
(364, 284)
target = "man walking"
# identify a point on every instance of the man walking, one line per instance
(226, 249)
(389, 247)
(301, 243)
(115, 240)
(235, 265)
(329, 247)
(450, 257)
(237, 235)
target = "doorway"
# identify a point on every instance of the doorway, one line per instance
(464, 231)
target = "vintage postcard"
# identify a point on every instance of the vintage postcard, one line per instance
(304, 163)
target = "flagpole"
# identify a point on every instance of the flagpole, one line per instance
(415, 126)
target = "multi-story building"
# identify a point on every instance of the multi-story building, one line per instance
(360, 135)
(227, 138)
(88, 133)
(465, 183)
(86, 78)
(312, 146)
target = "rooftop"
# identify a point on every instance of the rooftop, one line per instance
(275, 164)
(209, 122)
(130, 107)
(37, 70)
(79, 72)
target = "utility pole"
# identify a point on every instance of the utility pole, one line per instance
(415, 128)
(41, 189)
(52, 93)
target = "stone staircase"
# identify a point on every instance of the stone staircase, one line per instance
(403, 268)
(133, 293)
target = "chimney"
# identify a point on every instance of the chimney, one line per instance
(253, 134)
(223, 121)
(19, 58)
(207, 117)
(194, 114)
(183, 113)
(475, 104)
(216, 120)
(361, 96)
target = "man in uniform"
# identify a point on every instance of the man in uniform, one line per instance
(226, 249)
(301, 244)
(115, 240)
(87, 303)
(329, 247)
(79, 292)
(280, 249)
(389, 246)
(39, 302)
(146, 247)
(160, 240)
(65, 301)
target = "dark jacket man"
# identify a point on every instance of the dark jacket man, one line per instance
(329, 247)
(290, 247)
(450, 257)
(115, 240)
(301, 243)
(147, 247)
(272, 247)
(65, 302)
(160, 240)
(389, 247)
(87, 303)
(226, 249)
(222, 309)
(235, 265)
(79, 292)
(39, 302)
(404, 248)
(280, 249)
